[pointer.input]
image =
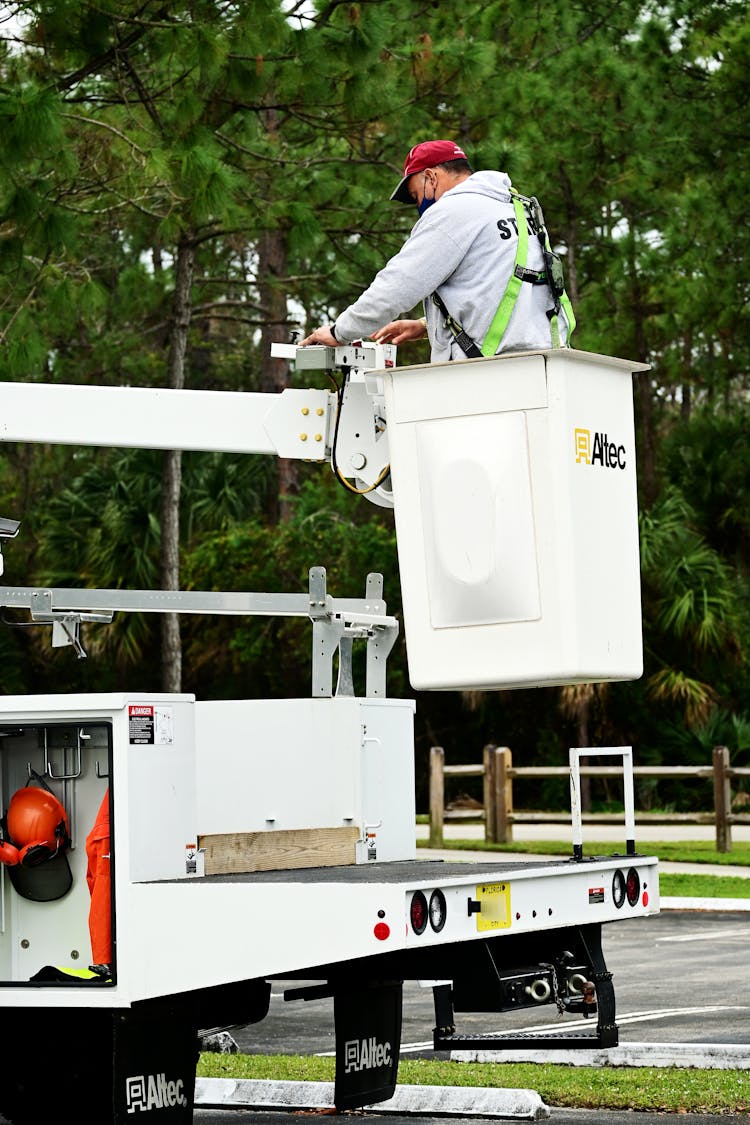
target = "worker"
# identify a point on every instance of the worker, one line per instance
(484, 290)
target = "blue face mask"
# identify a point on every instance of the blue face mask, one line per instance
(422, 207)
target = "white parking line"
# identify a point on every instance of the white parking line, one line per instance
(705, 937)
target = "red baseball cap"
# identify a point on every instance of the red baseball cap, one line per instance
(426, 155)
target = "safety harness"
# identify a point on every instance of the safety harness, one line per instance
(551, 276)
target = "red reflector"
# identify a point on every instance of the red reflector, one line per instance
(382, 931)
(645, 898)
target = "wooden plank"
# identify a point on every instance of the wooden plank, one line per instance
(488, 795)
(504, 794)
(613, 771)
(235, 853)
(437, 795)
(525, 817)
(722, 799)
(463, 771)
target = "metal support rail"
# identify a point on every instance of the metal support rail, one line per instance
(336, 621)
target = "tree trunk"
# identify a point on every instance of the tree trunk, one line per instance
(647, 456)
(575, 703)
(583, 740)
(171, 646)
(275, 372)
(647, 447)
(570, 228)
(687, 372)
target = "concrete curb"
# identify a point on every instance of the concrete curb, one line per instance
(698, 1056)
(471, 1101)
(465, 1101)
(704, 904)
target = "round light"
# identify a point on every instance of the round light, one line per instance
(618, 888)
(418, 912)
(633, 886)
(438, 911)
(382, 931)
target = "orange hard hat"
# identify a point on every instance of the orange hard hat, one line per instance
(37, 825)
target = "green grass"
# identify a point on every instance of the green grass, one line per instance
(671, 885)
(668, 1089)
(688, 851)
(674, 885)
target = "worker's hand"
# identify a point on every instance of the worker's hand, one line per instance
(322, 335)
(400, 332)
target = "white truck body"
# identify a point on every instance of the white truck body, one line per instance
(257, 839)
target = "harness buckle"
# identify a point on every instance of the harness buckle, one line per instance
(534, 277)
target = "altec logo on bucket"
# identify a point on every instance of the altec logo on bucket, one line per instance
(153, 1091)
(603, 452)
(365, 1054)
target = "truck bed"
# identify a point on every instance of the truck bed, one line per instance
(412, 870)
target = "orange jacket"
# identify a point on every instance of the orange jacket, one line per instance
(98, 879)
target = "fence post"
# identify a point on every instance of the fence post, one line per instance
(437, 796)
(722, 799)
(503, 795)
(488, 796)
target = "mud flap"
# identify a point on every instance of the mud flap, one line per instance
(155, 1055)
(368, 1043)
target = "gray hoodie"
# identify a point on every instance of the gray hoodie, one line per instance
(464, 246)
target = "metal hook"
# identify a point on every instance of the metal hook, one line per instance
(62, 776)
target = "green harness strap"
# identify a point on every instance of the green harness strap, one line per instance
(551, 276)
(513, 288)
(569, 314)
(504, 312)
(562, 301)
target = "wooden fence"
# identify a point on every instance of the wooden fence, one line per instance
(499, 815)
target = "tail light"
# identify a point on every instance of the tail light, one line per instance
(438, 911)
(618, 888)
(418, 912)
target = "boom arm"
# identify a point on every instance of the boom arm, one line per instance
(345, 427)
(291, 424)
(296, 423)
(306, 424)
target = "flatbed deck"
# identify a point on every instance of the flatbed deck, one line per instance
(421, 870)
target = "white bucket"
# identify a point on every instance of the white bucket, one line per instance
(514, 484)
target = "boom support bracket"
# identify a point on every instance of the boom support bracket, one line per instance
(337, 622)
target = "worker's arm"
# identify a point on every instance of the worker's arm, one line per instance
(401, 331)
(427, 258)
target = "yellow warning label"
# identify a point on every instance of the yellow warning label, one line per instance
(494, 906)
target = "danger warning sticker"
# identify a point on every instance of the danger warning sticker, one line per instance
(149, 725)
